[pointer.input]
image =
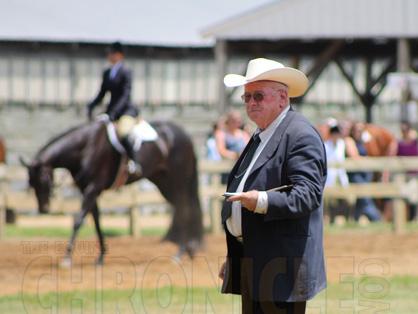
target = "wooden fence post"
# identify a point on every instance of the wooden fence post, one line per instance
(3, 201)
(134, 221)
(2, 216)
(399, 207)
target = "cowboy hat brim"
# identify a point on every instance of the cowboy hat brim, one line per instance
(295, 80)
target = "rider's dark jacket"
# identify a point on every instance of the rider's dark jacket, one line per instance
(119, 87)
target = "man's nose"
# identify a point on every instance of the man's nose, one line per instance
(251, 102)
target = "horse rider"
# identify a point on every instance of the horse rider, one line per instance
(117, 80)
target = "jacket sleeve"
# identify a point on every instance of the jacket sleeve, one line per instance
(306, 170)
(100, 95)
(126, 94)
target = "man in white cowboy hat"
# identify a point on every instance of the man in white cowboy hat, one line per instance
(273, 220)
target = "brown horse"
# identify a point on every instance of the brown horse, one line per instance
(93, 163)
(2, 151)
(382, 141)
(379, 141)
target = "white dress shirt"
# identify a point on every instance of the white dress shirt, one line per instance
(233, 223)
(114, 70)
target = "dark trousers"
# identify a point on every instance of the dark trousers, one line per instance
(250, 306)
(364, 205)
(254, 307)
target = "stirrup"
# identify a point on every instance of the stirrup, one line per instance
(134, 168)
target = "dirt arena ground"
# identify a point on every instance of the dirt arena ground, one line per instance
(33, 266)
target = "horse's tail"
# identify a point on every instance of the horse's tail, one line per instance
(195, 228)
(194, 186)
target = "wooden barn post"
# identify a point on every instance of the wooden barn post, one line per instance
(221, 63)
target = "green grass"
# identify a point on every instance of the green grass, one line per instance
(88, 231)
(13, 231)
(397, 296)
(370, 294)
(376, 227)
(379, 227)
(164, 299)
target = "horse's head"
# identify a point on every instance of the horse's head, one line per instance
(41, 180)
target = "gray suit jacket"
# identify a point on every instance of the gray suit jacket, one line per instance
(282, 250)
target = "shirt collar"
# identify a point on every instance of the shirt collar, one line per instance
(116, 66)
(268, 132)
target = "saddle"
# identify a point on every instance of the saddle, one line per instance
(141, 132)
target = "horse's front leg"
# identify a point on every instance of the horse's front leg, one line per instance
(89, 201)
(96, 214)
(78, 221)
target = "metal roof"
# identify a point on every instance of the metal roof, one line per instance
(157, 22)
(313, 19)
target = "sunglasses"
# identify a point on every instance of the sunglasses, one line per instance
(258, 97)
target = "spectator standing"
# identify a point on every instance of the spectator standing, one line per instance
(408, 146)
(335, 148)
(364, 205)
(336, 151)
(231, 140)
(212, 152)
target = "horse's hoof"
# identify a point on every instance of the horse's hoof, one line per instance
(66, 262)
(192, 247)
(176, 258)
(190, 253)
(100, 261)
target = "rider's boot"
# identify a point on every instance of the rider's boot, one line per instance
(133, 166)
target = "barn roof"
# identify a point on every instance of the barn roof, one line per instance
(315, 19)
(157, 22)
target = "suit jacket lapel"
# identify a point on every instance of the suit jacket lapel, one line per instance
(274, 141)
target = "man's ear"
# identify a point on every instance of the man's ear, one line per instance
(283, 98)
(284, 95)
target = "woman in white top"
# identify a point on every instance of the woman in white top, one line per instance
(336, 150)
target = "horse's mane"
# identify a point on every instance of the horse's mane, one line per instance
(59, 137)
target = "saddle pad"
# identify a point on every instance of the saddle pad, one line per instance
(142, 132)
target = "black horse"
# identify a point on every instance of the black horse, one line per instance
(93, 163)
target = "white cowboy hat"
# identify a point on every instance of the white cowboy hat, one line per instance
(262, 69)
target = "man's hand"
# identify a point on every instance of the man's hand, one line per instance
(247, 199)
(102, 117)
(222, 271)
